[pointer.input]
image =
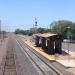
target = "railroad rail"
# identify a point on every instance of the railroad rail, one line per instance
(52, 65)
(9, 66)
(44, 60)
(60, 69)
(42, 65)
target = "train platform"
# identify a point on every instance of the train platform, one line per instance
(39, 50)
(67, 60)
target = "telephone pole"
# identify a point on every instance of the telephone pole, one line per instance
(35, 25)
(0, 29)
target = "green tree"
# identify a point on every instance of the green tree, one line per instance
(17, 31)
(60, 27)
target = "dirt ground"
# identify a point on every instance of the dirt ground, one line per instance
(3, 45)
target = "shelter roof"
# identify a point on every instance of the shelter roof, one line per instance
(46, 35)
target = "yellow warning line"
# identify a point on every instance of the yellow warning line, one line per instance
(49, 57)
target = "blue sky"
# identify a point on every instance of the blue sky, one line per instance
(21, 13)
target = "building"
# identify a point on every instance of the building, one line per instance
(50, 42)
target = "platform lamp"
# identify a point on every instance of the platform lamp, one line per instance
(68, 36)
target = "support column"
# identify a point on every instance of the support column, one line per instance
(43, 43)
(58, 46)
(50, 44)
(37, 41)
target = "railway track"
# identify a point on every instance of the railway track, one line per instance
(57, 67)
(43, 67)
(9, 66)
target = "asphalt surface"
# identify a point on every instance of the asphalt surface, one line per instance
(70, 46)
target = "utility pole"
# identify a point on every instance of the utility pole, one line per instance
(35, 25)
(0, 29)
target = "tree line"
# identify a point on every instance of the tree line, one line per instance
(62, 27)
(32, 31)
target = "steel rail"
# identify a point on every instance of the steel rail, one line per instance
(3, 66)
(48, 64)
(16, 70)
(46, 61)
(5, 60)
(29, 56)
(58, 73)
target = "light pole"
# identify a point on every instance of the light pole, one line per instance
(68, 37)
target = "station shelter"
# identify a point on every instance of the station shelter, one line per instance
(51, 42)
